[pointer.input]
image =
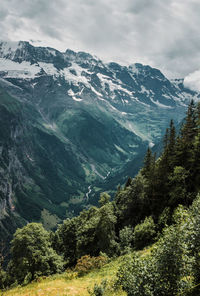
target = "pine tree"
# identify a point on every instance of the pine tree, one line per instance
(185, 143)
(195, 168)
(148, 164)
(171, 145)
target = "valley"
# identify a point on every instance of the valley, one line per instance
(72, 126)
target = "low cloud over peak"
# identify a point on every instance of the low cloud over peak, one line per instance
(192, 81)
(164, 34)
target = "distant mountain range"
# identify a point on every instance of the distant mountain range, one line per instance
(72, 126)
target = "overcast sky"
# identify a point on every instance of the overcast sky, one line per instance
(162, 33)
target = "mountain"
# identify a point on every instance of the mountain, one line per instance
(71, 126)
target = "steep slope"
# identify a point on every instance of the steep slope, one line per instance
(72, 123)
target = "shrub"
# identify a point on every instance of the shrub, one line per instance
(144, 233)
(3, 278)
(126, 239)
(70, 274)
(87, 263)
(162, 273)
(136, 276)
(99, 289)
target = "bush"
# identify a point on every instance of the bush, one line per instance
(3, 279)
(70, 274)
(126, 239)
(144, 233)
(99, 289)
(87, 263)
(162, 273)
(136, 276)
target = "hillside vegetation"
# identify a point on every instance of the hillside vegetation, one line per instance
(70, 284)
(160, 206)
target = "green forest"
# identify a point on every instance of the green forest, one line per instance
(160, 208)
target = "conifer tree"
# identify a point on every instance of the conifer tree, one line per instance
(171, 145)
(185, 143)
(195, 168)
(148, 163)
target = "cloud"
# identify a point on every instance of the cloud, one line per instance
(161, 33)
(192, 81)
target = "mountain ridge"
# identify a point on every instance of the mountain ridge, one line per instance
(82, 122)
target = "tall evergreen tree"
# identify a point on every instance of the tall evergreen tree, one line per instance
(171, 145)
(148, 164)
(195, 168)
(185, 143)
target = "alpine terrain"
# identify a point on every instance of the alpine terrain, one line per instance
(70, 125)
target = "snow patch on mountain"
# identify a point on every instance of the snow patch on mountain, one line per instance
(77, 99)
(105, 80)
(49, 68)
(134, 69)
(72, 78)
(159, 104)
(95, 91)
(145, 91)
(73, 95)
(18, 70)
(9, 47)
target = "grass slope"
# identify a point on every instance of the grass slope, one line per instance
(68, 284)
(63, 286)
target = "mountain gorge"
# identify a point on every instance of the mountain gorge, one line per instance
(70, 125)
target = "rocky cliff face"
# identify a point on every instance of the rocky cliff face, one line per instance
(70, 124)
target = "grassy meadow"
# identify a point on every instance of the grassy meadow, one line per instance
(69, 284)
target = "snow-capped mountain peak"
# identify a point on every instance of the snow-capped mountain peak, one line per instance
(83, 78)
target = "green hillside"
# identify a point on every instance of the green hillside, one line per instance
(70, 284)
(159, 207)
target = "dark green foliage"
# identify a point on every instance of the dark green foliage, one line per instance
(105, 230)
(148, 164)
(86, 233)
(136, 276)
(178, 189)
(144, 233)
(173, 266)
(126, 239)
(194, 239)
(132, 203)
(158, 274)
(169, 262)
(32, 254)
(3, 279)
(128, 182)
(174, 178)
(104, 199)
(90, 233)
(96, 231)
(185, 143)
(65, 240)
(99, 289)
(3, 274)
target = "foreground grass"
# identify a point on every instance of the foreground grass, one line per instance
(69, 285)
(61, 285)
